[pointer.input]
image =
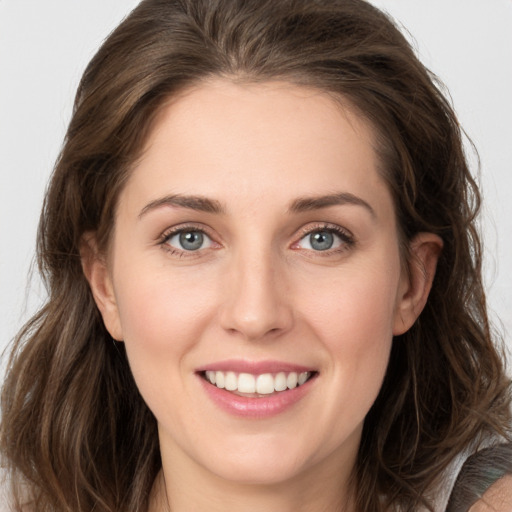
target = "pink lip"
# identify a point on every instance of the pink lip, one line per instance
(253, 367)
(255, 407)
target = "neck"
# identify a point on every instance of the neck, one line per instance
(322, 488)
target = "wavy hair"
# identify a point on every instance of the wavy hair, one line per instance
(76, 435)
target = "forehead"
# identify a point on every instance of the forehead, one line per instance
(264, 141)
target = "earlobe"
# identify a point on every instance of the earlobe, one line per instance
(95, 269)
(424, 251)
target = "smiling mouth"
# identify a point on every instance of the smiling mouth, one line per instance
(261, 385)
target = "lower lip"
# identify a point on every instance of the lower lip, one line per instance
(252, 407)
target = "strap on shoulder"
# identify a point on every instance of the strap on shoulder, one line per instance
(479, 472)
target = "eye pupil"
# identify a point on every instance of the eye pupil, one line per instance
(191, 240)
(321, 240)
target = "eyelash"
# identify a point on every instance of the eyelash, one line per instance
(347, 239)
(182, 253)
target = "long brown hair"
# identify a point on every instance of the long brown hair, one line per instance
(76, 435)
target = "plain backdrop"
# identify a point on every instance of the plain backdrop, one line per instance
(46, 44)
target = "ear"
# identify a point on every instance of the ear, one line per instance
(96, 271)
(417, 278)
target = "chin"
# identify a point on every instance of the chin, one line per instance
(254, 461)
(263, 473)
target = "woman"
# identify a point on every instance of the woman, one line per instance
(264, 278)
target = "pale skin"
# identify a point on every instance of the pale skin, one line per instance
(263, 169)
(498, 498)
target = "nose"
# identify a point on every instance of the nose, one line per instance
(256, 303)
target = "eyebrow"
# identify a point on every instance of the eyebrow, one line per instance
(199, 203)
(299, 205)
(304, 204)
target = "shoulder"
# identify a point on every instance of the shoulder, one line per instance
(484, 482)
(498, 498)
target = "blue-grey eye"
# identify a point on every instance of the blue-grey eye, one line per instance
(322, 240)
(191, 240)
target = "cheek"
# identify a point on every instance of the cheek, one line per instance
(162, 319)
(359, 341)
(157, 306)
(354, 318)
(162, 322)
(356, 308)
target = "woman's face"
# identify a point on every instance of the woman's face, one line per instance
(256, 245)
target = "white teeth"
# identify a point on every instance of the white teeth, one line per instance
(264, 384)
(219, 379)
(246, 383)
(303, 377)
(230, 382)
(280, 382)
(291, 380)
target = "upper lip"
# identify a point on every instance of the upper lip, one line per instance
(254, 367)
